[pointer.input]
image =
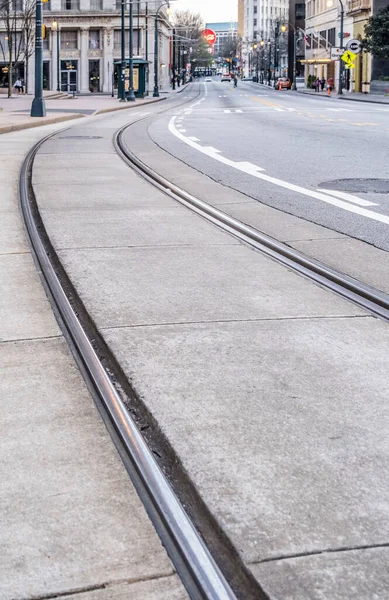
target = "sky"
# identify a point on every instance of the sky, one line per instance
(211, 10)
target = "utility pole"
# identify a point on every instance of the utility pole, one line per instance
(174, 60)
(131, 93)
(38, 107)
(123, 55)
(340, 91)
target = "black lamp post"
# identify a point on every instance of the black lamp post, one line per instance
(38, 107)
(131, 93)
(156, 58)
(340, 91)
(123, 55)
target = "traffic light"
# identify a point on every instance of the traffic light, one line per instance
(43, 32)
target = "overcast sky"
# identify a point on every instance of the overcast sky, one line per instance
(211, 10)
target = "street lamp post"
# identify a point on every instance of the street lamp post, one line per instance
(123, 55)
(340, 91)
(38, 107)
(156, 58)
(131, 93)
(55, 26)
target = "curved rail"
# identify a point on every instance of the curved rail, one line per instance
(364, 295)
(196, 567)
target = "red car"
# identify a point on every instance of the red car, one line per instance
(283, 83)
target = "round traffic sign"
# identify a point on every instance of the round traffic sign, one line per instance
(354, 45)
(210, 36)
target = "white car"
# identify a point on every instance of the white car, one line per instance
(226, 77)
(208, 80)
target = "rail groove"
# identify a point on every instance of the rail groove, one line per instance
(364, 295)
(199, 572)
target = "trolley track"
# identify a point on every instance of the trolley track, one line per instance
(194, 562)
(369, 298)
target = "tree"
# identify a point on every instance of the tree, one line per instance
(17, 20)
(377, 34)
(188, 23)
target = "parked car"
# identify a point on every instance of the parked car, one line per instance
(283, 83)
(225, 77)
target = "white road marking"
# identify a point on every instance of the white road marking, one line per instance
(194, 139)
(227, 111)
(279, 109)
(238, 110)
(348, 197)
(209, 151)
(341, 109)
(292, 109)
(182, 130)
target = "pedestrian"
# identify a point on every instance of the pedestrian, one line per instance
(235, 80)
(18, 85)
(322, 83)
(330, 83)
(316, 84)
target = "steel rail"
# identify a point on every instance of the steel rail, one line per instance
(364, 295)
(196, 567)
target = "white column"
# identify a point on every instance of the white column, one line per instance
(106, 69)
(54, 60)
(84, 63)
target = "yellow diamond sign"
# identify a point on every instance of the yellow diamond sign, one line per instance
(348, 58)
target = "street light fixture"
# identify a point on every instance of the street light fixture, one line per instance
(156, 58)
(38, 107)
(55, 27)
(330, 4)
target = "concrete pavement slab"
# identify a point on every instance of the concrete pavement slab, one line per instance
(165, 226)
(24, 309)
(359, 574)
(192, 284)
(12, 234)
(70, 518)
(360, 260)
(281, 424)
(163, 588)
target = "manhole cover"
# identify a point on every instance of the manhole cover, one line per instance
(367, 186)
(81, 137)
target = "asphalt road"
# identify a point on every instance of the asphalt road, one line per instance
(318, 158)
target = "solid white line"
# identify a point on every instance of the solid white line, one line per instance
(227, 111)
(182, 130)
(194, 139)
(348, 197)
(279, 109)
(284, 184)
(238, 110)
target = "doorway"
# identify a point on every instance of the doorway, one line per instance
(69, 75)
(94, 76)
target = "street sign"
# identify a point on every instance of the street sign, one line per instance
(348, 58)
(355, 46)
(209, 36)
(336, 53)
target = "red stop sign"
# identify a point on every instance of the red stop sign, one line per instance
(209, 36)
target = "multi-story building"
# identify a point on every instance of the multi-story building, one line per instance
(263, 22)
(224, 32)
(85, 54)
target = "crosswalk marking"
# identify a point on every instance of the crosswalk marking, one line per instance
(227, 111)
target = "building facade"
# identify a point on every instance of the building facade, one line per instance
(82, 48)
(265, 45)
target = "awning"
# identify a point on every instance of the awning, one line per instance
(317, 61)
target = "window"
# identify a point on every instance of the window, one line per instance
(70, 5)
(46, 41)
(94, 39)
(96, 4)
(46, 5)
(69, 39)
(300, 11)
(255, 22)
(331, 35)
(323, 39)
(117, 39)
(255, 9)
(16, 5)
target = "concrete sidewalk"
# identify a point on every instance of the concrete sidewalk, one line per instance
(270, 389)
(15, 111)
(354, 96)
(71, 523)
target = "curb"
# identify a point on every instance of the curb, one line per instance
(42, 121)
(102, 111)
(364, 101)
